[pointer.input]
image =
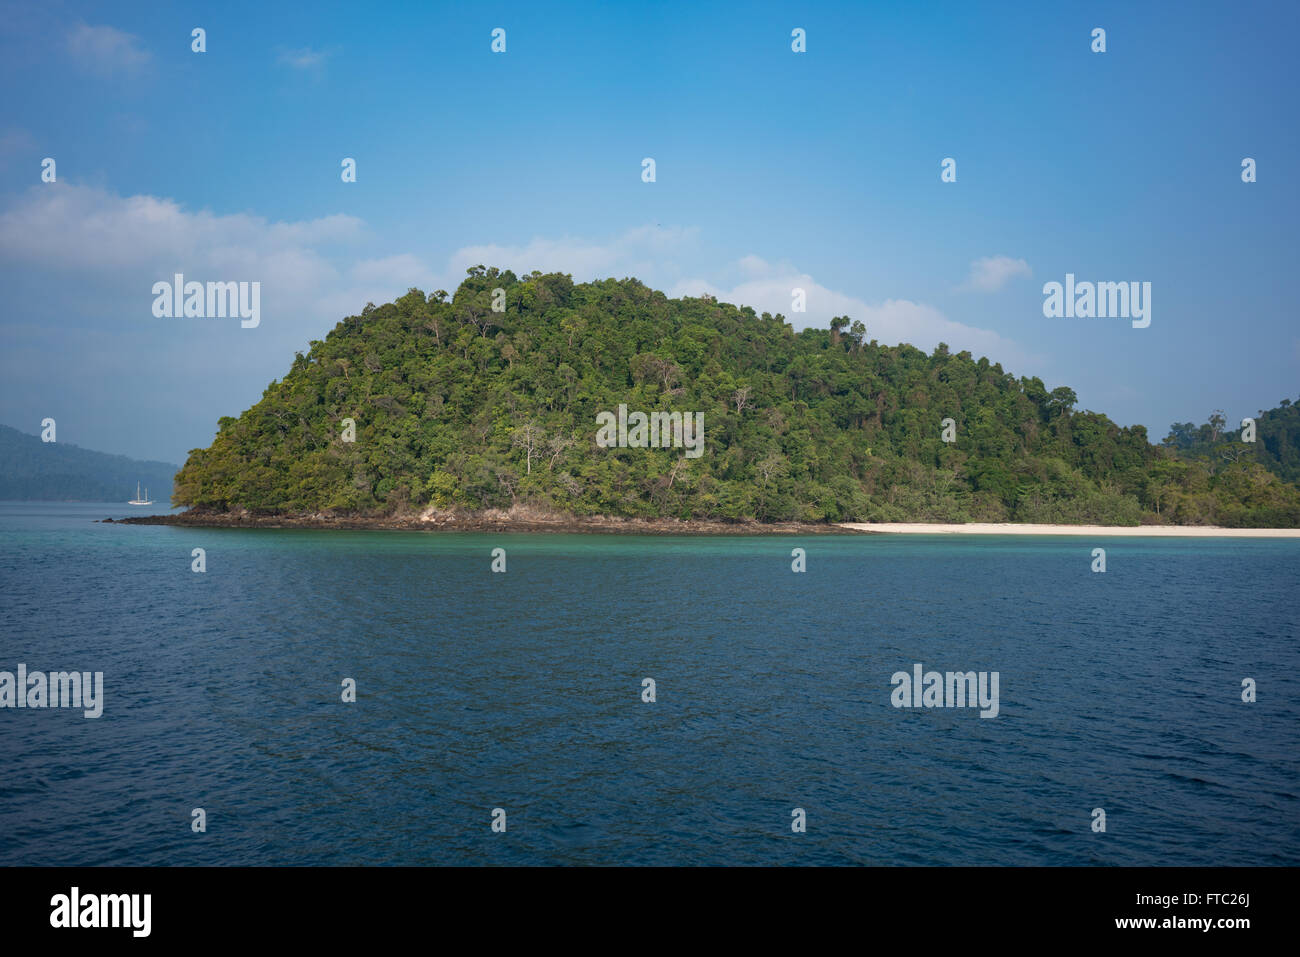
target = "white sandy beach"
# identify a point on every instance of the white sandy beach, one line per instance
(1092, 531)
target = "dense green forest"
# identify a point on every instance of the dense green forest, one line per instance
(1276, 445)
(57, 471)
(458, 406)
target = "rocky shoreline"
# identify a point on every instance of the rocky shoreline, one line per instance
(523, 519)
(494, 520)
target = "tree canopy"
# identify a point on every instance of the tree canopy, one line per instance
(456, 405)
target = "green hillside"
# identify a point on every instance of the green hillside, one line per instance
(458, 406)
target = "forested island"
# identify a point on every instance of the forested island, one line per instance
(440, 408)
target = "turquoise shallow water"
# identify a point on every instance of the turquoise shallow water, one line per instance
(523, 691)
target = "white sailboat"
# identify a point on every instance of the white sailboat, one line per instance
(138, 500)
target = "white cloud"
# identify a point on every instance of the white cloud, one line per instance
(304, 59)
(664, 258)
(403, 270)
(993, 272)
(890, 321)
(378, 281)
(646, 252)
(752, 265)
(106, 49)
(72, 228)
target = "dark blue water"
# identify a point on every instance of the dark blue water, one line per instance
(523, 691)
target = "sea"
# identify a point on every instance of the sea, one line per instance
(387, 698)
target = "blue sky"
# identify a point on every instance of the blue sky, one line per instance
(774, 170)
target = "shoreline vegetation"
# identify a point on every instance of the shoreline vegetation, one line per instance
(533, 520)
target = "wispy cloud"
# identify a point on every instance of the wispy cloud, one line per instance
(770, 288)
(664, 258)
(993, 272)
(106, 50)
(648, 252)
(305, 58)
(65, 226)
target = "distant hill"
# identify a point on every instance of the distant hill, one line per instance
(56, 471)
(503, 395)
